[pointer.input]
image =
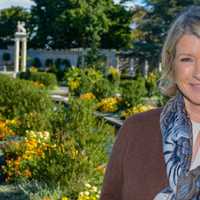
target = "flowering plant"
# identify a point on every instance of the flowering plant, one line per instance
(90, 193)
(109, 104)
(87, 96)
(136, 109)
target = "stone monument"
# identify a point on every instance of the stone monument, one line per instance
(20, 47)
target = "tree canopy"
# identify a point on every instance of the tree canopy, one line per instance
(70, 24)
(8, 23)
(152, 23)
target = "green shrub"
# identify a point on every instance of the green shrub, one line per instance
(104, 88)
(47, 79)
(133, 91)
(86, 80)
(48, 62)
(66, 63)
(21, 99)
(73, 155)
(6, 56)
(36, 62)
(80, 149)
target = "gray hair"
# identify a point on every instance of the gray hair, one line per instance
(188, 22)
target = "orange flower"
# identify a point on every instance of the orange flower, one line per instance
(27, 173)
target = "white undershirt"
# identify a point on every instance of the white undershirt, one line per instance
(196, 145)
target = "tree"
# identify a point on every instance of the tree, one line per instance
(70, 23)
(8, 23)
(79, 23)
(152, 23)
(119, 31)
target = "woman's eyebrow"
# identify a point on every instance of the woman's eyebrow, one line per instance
(185, 54)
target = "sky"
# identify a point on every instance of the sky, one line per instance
(9, 3)
(24, 3)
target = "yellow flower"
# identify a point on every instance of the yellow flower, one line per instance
(5, 130)
(73, 84)
(109, 104)
(101, 168)
(47, 198)
(27, 173)
(88, 185)
(64, 198)
(87, 96)
(136, 109)
(38, 84)
(113, 71)
(33, 69)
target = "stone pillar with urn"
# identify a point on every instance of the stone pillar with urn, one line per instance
(20, 48)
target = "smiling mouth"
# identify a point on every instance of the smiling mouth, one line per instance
(196, 85)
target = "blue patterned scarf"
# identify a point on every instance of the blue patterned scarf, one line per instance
(176, 129)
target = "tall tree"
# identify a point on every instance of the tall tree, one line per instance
(119, 32)
(79, 23)
(152, 23)
(8, 23)
(71, 23)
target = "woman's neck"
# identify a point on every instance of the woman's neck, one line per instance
(192, 110)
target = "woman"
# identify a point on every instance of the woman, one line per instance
(157, 153)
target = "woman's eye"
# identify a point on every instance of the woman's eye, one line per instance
(186, 60)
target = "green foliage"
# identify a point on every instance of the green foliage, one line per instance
(86, 80)
(21, 99)
(78, 147)
(8, 19)
(104, 88)
(6, 56)
(118, 35)
(92, 135)
(75, 24)
(133, 91)
(47, 79)
(48, 62)
(95, 59)
(36, 62)
(152, 23)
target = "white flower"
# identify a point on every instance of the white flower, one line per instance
(88, 185)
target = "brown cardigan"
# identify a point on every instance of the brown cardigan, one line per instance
(136, 170)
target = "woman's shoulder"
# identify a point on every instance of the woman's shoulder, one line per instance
(147, 117)
(145, 124)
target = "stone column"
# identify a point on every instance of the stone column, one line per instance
(160, 67)
(17, 47)
(132, 67)
(24, 54)
(146, 68)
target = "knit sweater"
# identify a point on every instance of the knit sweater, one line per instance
(136, 170)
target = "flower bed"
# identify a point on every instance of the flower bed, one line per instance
(52, 144)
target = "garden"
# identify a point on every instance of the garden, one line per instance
(59, 151)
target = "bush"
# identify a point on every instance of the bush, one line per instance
(47, 79)
(59, 68)
(36, 62)
(66, 63)
(86, 80)
(133, 91)
(21, 99)
(104, 88)
(48, 62)
(6, 56)
(74, 155)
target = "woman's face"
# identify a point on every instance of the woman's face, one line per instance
(187, 68)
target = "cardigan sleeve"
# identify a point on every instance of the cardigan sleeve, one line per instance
(113, 180)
